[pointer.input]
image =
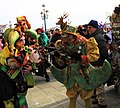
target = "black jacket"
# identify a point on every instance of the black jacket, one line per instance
(98, 35)
(55, 37)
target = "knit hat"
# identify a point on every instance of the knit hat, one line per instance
(93, 23)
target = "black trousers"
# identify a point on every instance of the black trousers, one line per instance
(42, 70)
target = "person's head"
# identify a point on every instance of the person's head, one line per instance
(57, 31)
(82, 30)
(31, 37)
(69, 35)
(39, 30)
(20, 42)
(92, 26)
(69, 38)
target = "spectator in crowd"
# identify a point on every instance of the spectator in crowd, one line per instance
(56, 36)
(82, 30)
(95, 32)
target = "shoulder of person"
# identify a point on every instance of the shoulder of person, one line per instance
(99, 37)
(81, 38)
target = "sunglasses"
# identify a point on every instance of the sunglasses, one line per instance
(89, 27)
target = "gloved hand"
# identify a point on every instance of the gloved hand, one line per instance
(76, 56)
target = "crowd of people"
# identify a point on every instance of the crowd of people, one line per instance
(76, 52)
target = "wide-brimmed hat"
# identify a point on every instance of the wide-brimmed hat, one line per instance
(71, 30)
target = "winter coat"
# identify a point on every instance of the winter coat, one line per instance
(102, 47)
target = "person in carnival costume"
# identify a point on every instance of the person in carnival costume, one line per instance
(16, 65)
(72, 66)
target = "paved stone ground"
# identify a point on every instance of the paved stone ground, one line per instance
(53, 95)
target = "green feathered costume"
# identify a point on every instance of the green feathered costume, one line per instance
(81, 71)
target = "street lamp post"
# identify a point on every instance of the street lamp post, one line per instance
(44, 15)
(10, 24)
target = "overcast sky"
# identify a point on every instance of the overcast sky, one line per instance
(80, 11)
